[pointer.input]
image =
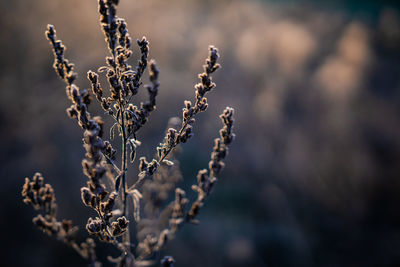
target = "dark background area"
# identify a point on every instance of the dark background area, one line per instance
(313, 177)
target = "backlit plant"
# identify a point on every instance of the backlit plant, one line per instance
(122, 207)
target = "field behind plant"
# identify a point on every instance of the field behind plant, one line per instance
(313, 178)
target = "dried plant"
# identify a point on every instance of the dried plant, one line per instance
(117, 218)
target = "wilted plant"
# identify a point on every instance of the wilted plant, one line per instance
(157, 178)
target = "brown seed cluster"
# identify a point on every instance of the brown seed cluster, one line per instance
(167, 261)
(141, 227)
(38, 194)
(41, 197)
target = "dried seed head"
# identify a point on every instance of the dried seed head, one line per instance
(38, 194)
(87, 196)
(167, 261)
(152, 167)
(94, 226)
(170, 139)
(143, 164)
(107, 206)
(120, 226)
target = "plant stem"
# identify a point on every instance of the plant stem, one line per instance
(126, 235)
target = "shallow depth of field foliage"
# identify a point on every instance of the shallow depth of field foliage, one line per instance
(313, 179)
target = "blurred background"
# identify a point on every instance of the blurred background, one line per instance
(313, 177)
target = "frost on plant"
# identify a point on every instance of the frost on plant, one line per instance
(122, 207)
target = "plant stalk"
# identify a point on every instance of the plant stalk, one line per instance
(126, 235)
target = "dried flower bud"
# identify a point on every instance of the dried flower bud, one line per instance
(203, 105)
(120, 226)
(38, 194)
(109, 151)
(107, 206)
(152, 167)
(143, 164)
(87, 196)
(202, 177)
(94, 226)
(194, 210)
(47, 224)
(167, 261)
(186, 134)
(170, 139)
